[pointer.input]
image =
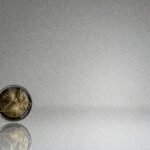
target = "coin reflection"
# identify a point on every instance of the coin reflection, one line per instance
(14, 137)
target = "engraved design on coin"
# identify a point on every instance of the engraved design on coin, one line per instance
(15, 102)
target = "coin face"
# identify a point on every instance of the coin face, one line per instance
(15, 103)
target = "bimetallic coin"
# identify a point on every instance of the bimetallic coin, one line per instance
(15, 103)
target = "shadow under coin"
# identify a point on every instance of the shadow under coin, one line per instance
(15, 137)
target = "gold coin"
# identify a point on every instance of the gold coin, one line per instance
(15, 102)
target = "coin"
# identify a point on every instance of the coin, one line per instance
(15, 102)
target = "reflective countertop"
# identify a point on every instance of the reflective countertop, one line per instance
(71, 128)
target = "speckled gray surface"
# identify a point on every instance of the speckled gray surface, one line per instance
(80, 59)
(85, 129)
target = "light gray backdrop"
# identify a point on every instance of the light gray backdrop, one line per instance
(77, 52)
(86, 64)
